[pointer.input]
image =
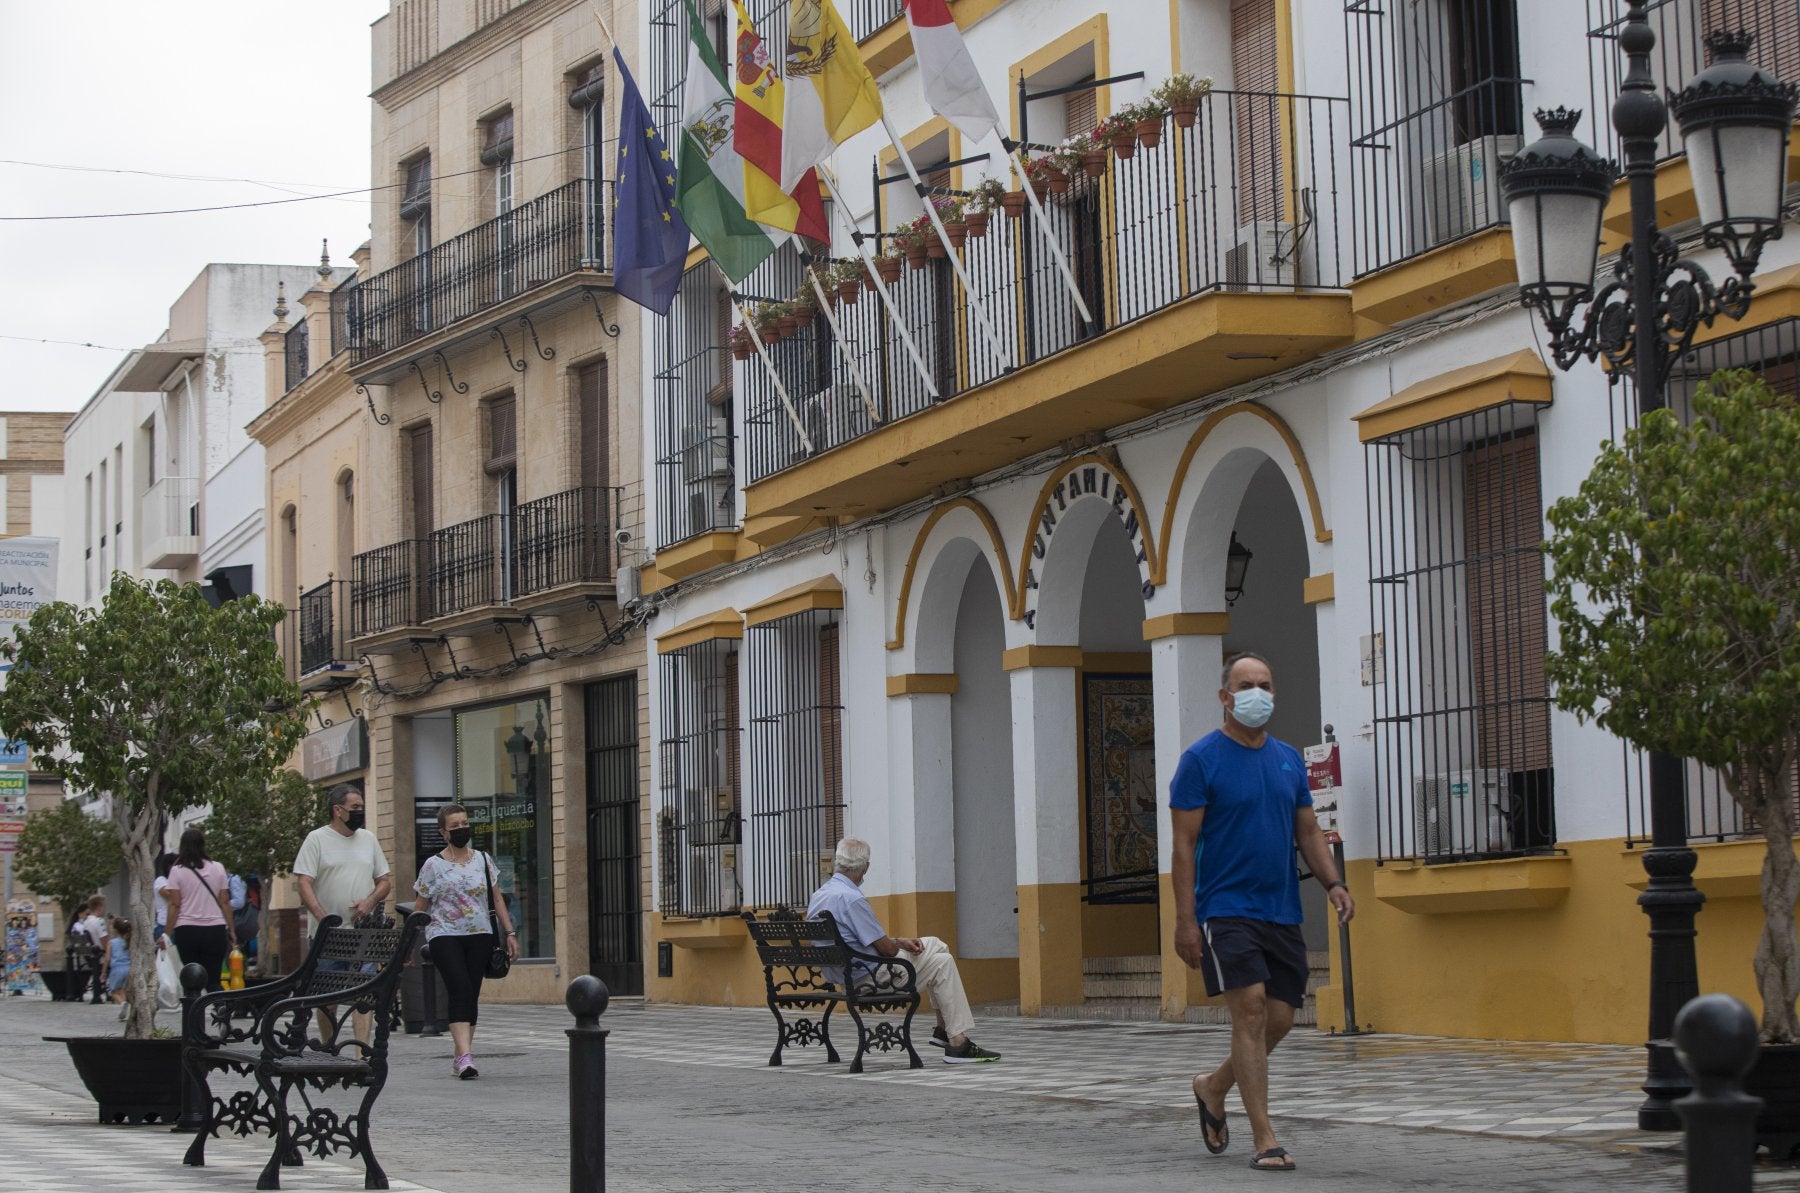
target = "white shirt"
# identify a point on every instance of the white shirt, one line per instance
(343, 869)
(160, 905)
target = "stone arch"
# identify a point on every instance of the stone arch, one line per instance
(982, 537)
(1076, 498)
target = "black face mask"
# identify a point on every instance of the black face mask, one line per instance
(355, 820)
(460, 837)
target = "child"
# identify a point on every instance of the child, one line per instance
(118, 959)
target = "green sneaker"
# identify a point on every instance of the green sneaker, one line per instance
(968, 1053)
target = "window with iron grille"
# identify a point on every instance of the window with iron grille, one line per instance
(1435, 108)
(1458, 633)
(795, 786)
(696, 487)
(698, 815)
(1773, 353)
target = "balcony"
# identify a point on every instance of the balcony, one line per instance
(325, 660)
(169, 523)
(547, 554)
(295, 354)
(1207, 261)
(493, 272)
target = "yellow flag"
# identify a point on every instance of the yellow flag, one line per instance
(830, 93)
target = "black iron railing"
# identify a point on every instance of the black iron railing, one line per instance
(551, 236)
(340, 314)
(384, 588)
(322, 625)
(1246, 199)
(564, 539)
(698, 813)
(464, 570)
(294, 350)
(693, 395)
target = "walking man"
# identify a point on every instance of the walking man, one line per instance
(1239, 798)
(343, 872)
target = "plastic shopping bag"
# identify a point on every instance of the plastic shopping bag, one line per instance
(168, 978)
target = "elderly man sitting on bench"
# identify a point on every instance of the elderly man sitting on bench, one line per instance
(842, 896)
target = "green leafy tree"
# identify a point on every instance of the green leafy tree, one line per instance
(1676, 585)
(68, 855)
(258, 828)
(160, 701)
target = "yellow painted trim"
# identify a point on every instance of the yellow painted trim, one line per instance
(923, 683)
(1509, 884)
(918, 548)
(695, 555)
(1284, 54)
(1441, 278)
(770, 532)
(825, 592)
(1722, 870)
(1128, 661)
(1675, 201)
(1316, 590)
(1187, 625)
(1152, 557)
(714, 932)
(1321, 533)
(1019, 658)
(891, 44)
(695, 255)
(890, 157)
(723, 623)
(1092, 31)
(1174, 37)
(1519, 377)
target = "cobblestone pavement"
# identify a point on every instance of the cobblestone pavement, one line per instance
(1074, 1106)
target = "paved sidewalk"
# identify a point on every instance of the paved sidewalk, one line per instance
(1074, 1106)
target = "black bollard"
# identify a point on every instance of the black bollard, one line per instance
(586, 999)
(193, 985)
(428, 992)
(1716, 1041)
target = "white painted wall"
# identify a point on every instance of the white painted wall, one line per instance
(981, 721)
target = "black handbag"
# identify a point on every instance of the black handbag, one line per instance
(499, 963)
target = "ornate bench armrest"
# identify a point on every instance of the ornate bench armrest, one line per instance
(873, 973)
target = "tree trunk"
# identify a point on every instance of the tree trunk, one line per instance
(140, 832)
(1777, 954)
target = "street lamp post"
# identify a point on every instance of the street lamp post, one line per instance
(1734, 119)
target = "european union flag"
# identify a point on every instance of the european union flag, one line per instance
(650, 240)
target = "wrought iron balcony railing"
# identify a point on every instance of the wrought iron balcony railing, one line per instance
(384, 588)
(1245, 200)
(323, 626)
(564, 539)
(553, 235)
(463, 568)
(295, 350)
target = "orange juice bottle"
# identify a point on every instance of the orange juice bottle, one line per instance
(234, 964)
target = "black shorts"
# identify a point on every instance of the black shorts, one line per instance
(1240, 952)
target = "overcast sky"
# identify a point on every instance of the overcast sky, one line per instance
(233, 89)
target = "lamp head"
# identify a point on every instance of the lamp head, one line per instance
(1555, 191)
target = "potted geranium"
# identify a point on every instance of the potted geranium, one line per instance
(1181, 95)
(978, 208)
(160, 702)
(1120, 131)
(738, 340)
(950, 213)
(845, 278)
(1147, 118)
(1675, 581)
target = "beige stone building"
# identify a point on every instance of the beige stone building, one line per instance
(454, 480)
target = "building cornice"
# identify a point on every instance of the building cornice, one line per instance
(447, 64)
(313, 396)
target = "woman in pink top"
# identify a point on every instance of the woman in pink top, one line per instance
(199, 899)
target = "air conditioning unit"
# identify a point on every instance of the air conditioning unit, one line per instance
(1462, 187)
(709, 881)
(706, 451)
(806, 869)
(814, 419)
(708, 816)
(1267, 253)
(1461, 813)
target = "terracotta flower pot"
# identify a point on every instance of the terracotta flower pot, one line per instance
(847, 292)
(889, 268)
(1093, 162)
(1185, 111)
(791, 325)
(741, 349)
(1149, 133)
(916, 254)
(958, 232)
(934, 248)
(1124, 144)
(977, 223)
(772, 333)
(868, 279)
(1041, 187)
(1013, 202)
(1059, 181)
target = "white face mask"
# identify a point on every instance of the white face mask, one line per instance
(1252, 707)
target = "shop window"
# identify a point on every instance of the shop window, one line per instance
(503, 778)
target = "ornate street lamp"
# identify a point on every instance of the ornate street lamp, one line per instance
(1237, 566)
(518, 752)
(1734, 119)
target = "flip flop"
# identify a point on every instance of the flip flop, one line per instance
(1212, 1127)
(1274, 1153)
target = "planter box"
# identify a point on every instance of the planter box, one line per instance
(134, 1081)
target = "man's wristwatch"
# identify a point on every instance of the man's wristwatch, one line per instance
(1332, 886)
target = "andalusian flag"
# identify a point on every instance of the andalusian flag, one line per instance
(710, 186)
(831, 95)
(758, 138)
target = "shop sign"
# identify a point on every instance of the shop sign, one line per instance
(1094, 480)
(14, 752)
(12, 786)
(1323, 774)
(334, 750)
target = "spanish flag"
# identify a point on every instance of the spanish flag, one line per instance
(757, 137)
(831, 95)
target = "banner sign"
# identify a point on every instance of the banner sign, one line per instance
(21, 946)
(12, 787)
(27, 581)
(14, 752)
(1323, 776)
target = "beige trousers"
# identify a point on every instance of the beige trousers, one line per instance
(937, 976)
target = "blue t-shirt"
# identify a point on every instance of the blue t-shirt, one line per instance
(1245, 863)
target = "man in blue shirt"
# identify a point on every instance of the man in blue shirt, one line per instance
(842, 896)
(1240, 802)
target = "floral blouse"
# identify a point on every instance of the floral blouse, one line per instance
(458, 897)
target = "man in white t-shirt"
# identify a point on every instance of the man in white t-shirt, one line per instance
(343, 872)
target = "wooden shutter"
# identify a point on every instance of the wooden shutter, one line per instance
(719, 392)
(1256, 119)
(734, 775)
(1777, 28)
(1503, 532)
(1080, 110)
(419, 451)
(503, 436)
(591, 424)
(831, 745)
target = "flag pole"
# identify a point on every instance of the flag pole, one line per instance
(604, 31)
(1017, 159)
(868, 260)
(962, 274)
(837, 337)
(763, 352)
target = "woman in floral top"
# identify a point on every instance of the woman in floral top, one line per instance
(454, 886)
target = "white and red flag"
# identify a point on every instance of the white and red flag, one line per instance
(953, 86)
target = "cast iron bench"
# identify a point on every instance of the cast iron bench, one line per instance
(267, 1032)
(805, 963)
